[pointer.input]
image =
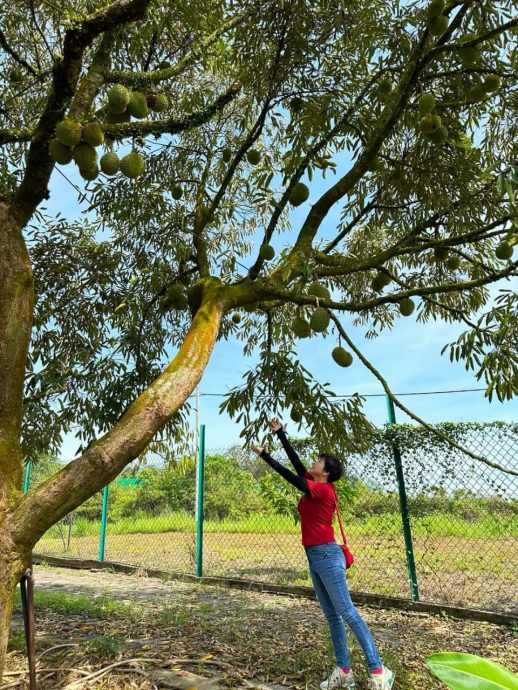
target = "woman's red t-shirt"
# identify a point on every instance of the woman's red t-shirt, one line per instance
(316, 513)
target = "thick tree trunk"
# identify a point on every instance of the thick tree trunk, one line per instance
(12, 567)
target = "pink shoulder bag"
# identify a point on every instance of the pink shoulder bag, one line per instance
(349, 558)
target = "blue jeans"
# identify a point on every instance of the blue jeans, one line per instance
(327, 568)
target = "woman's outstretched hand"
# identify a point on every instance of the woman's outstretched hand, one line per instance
(258, 450)
(276, 425)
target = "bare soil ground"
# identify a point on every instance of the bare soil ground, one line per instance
(155, 634)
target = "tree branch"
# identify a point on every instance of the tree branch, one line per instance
(444, 437)
(19, 59)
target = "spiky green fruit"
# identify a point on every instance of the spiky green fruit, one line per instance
(436, 8)
(92, 134)
(236, 317)
(319, 320)
(117, 118)
(384, 278)
(300, 327)
(469, 55)
(267, 252)
(158, 102)
(318, 290)
(440, 253)
(438, 136)
(453, 262)
(68, 132)
(176, 191)
(477, 93)
(85, 155)
(296, 104)
(342, 357)
(385, 87)
(118, 98)
(137, 106)
(253, 156)
(406, 306)
(226, 155)
(110, 163)
(164, 65)
(376, 284)
(299, 194)
(426, 104)
(175, 298)
(296, 414)
(491, 83)
(60, 153)
(132, 165)
(504, 251)
(429, 124)
(438, 25)
(89, 173)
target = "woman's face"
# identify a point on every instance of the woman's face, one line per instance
(318, 470)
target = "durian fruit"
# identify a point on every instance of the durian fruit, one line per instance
(426, 104)
(376, 284)
(226, 155)
(453, 262)
(385, 87)
(158, 102)
(164, 65)
(477, 93)
(137, 106)
(60, 153)
(118, 98)
(438, 136)
(440, 253)
(176, 191)
(296, 414)
(89, 173)
(236, 317)
(267, 252)
(175, 298)
(68, 132)
(435, 8)
(92, 134)
(132, 165)
(319, 320)
(469, 55)
(406, 306)
(85, 156)
(299, 194)
(438, 25)
(491, 83)
(253, 156)
(318, 290)
(504, 251)
(342, 357)
(110, 163)
(300, 327)
(117, 118)
(429, 124)
(296, 104)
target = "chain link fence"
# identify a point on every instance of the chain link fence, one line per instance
(460, 547)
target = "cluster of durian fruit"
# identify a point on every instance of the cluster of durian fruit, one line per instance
(78, 142)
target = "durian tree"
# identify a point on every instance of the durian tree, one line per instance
(196, 129)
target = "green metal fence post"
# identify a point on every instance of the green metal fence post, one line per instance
(403, 503)
(200, 483)
(104, 519)
(27, 476)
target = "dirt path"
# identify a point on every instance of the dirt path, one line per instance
(241, 639)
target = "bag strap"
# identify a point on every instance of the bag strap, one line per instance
(340, 522)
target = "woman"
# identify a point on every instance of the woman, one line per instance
(327, 562)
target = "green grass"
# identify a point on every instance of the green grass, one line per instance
(435, 524)
(80, 604)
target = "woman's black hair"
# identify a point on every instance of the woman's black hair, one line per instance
(333, 465)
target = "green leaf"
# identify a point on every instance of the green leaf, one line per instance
(471, 672)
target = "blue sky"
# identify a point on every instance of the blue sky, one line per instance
(408, 357)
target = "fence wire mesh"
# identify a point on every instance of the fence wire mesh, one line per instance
(463, 517)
